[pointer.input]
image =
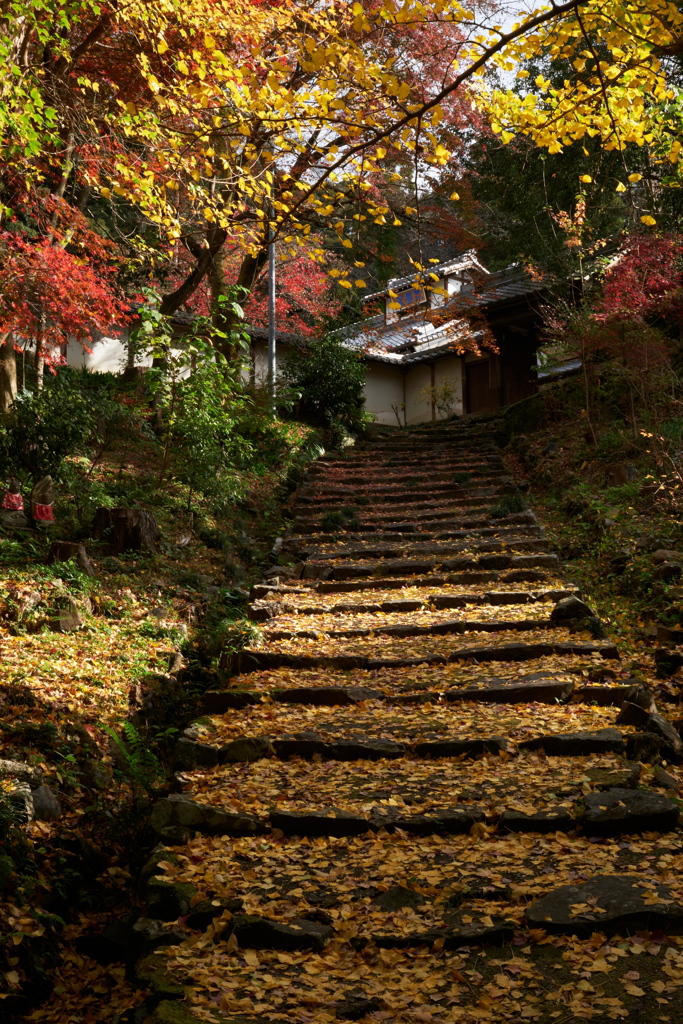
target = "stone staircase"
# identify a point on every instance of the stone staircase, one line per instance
(429, 778)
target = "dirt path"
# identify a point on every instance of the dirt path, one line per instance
(430, 792)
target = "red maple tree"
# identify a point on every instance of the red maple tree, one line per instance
(58, 283)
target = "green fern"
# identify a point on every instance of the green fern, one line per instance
(137, 763)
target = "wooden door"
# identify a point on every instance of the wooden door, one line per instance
(482, 386)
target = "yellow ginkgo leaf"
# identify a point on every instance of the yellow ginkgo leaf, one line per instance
(635, 177)
(454, 195)
(621, 187)
(162, 46)
(345, 284)
(360, 284)
(585, 177)
(648, 219)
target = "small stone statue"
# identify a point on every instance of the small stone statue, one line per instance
(12, 509)
(42, 500)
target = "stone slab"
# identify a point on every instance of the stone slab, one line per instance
(606, 903)
(621, 812)
(577, 744)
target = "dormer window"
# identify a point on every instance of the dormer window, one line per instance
(409, 300)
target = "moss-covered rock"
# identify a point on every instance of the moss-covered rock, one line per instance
(151, 973)
(171, 1011)
(167, 901)
(151, 868)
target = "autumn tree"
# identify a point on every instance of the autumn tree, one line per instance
(217, 126)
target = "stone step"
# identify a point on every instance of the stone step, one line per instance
(263, 611)
(375, 550)
(433, 483)
(473, 520)
(255, 661)
(408, 629)
(485, 576)
(415, 567)
(390, 476)
(339, 800)
(371, 497)
(440, 730)
(299, 542)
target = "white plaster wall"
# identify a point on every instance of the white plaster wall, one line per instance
(109, 354)
(383, 385)
(451, 368)
(418, 406)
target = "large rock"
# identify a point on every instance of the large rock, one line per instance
(151, 975)
(614, 778)
(73, 615)
(665, 555)
(167, 901)
(667, 571)
(555, 819)
(606, 903)
(462, 746)
(637, 706)
(398, 897)
(174, 1011)
(328, 821)
(245, 749)
(178, 810)
(660, 726)
(262, 933)
(46, 806)
(621, 812)
(19, 770)
(667, 662)
(577, 744)
(300, 744)
(355, 1007)
(189, 754)
(647, 747)
(328, 696)
(458, 934)
(18, 794)
(126, 941)
(438, 821)
(217, 702)
(364, 750)
(569, 608)
(543, 691)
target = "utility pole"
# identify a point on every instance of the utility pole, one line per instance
(271, 323)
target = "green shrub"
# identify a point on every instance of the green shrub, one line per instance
(341, 519)
(508, 505)
(329, 378)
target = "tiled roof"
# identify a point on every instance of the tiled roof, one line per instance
(459, 262)
(417, 337)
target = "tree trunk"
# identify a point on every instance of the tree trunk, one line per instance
(8, 375)
(204, 256)
(224, 320)
(40, 367)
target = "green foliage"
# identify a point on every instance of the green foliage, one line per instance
(507, 506)
(330, 379)
(45, 427)
(135, 761)
(340, 519)
(613, 446)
